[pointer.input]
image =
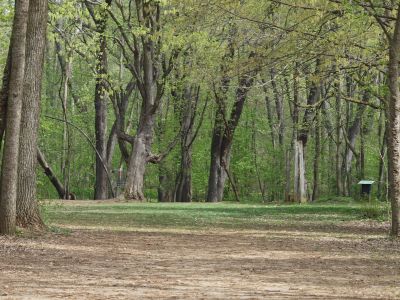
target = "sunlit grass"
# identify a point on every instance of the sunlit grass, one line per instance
(206, 216)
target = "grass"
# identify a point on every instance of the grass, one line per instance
(208, 216)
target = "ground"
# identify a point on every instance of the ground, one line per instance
(198, 251)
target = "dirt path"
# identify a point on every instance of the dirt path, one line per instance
(90, 264)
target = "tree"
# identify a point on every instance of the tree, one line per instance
(393, 112)
(100, 100)
(9, 170)
(27, 208)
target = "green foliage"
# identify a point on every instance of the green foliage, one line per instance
(374, 210)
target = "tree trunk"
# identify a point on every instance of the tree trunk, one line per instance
(151, 88)
(317, 156)
(300, 190)
(279, 107)
(222, 142)
(214, 193)
(9, 171)
(394, 127)
(352, 133)
(183, 191)
(382, 171)
(138, 158)
(48, 171)
(4, 96)
(338, 138)
(100, 103)
(27, 207)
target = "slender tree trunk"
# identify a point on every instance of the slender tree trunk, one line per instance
(394, 127)
(48, 171)
(66, 145)
(9, 171)
(317, 156)
(351, 138)
(269, 115)
(279, 107)
(27, 207)
(302, 138)
(183, 191)
(382, 192)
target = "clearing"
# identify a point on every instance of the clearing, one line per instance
(111, 250)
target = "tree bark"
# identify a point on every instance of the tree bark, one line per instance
(48, 171)
(4, 96)
(183, 191)
(278, 107)
(394, 127)
(9, 171)
(317, 156)
(300, 191)
(27, 207)
(338, 138)
(100, 103)
(222, 141)
(151, 88)
(352, 133)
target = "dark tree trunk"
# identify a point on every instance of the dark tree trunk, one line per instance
(338, 139)
(9, 171)
(48, 171)
(317, 156)
(394, 127)
(4, 96)
(100, 103)
(269, 114)
(279, 108)
(222, 142)
(215, 187)
(27, 207)
(382, 171)
(183, 191)
(146, 70)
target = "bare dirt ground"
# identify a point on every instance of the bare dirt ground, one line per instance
(155, 264)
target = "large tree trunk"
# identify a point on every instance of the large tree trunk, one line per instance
(9, 171)
(100, 103)
(394, 127)
(215, 188)
(27, 207)
(151, 88)
(138, 158)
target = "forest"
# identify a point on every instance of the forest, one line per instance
(187, 114)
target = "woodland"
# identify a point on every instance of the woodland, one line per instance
(222, 141)
(185, 101)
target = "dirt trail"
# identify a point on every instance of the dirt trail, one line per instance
(90, 264)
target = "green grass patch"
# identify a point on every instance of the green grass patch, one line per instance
(206, 216)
